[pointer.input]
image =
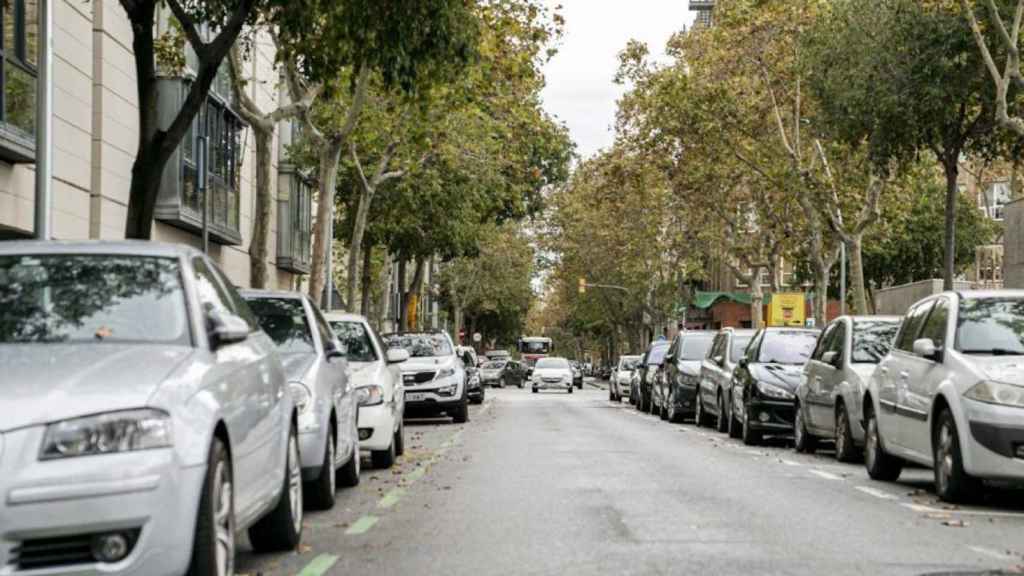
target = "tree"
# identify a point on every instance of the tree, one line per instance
(1008, 40)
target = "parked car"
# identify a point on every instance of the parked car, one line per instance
(648, 370)
(715, 393)
(675, 393)
(434, 377)
(502, 373)
(765, 381)
(950, 392)
(577, 374)
(834, 380)
(315, 365)
(551, 373)
(140, 392)
(377, 377)
(619, 383)
(474, 384)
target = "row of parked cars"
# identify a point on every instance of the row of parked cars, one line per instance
(150, 410)
(941, 387)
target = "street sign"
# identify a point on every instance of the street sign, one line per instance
(477, 337)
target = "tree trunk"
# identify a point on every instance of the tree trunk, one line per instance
(258, 248)
(952, 191)
(821, 280)
(756, 299)
(383, 306)
(854, 245)
(356, 245)
(457, 315)
(367, 294)
(330, 157)
(403, 296)
(415, 288)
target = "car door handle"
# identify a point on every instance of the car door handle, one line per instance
(884, 370)
(904, 375)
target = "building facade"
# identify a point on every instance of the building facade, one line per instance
(704, 10)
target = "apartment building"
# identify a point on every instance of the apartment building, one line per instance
(95, 132)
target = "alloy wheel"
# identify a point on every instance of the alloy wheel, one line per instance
(871, 443)
(798, 430)
(224, 521)
(944, 461)
(841, 422)
(295, 483)
(332, 459)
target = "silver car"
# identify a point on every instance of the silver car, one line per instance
(950, 394)
(715, 392)
(145, 416)
(622, 377)
(315, 364)
(834, 380)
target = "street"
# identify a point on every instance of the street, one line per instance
(554, 483)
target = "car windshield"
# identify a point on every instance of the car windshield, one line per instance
(552, 364)
(696, 347)
(356, 340)
(284, 320)
(627, 364)
(535, 346)
(739, 346)
(493, 365)
(96, 299)
(991, 326)
(872, 340)
(787, 346)
(420, 345)
(657, 354)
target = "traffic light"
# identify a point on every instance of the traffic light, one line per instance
(583, 285)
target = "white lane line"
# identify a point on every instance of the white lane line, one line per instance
(789, 462)
(960, 512)
(750, 452)
(991, 553)
(825, 475)
(877, 493)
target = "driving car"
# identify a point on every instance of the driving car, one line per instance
(715, 393)
(834, 380)
(765, 380)
(646, 373)
(434, 376)
(501, 373)
(551, 373)
(949, 393)
(146, 417)
(375, 371)
(675, 391)
(619, 383)
(314, 363)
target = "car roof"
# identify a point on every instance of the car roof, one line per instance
(344, 317)
(983, 294)
(790, 329)
(281, 294)
(113, 247)
(868, 318)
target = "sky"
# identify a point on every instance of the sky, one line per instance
(580, 90)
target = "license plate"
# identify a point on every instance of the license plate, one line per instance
(415, 397)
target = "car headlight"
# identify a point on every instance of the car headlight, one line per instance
(124, 431)
(445, 373)
(997, 393)
(301, 396)
(370, 395)
(773, 391)
(447, 390)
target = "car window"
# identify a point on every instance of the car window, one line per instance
(872, 340)
(552, 364)
(990, 326)
(837, 340)
(912, 325)
(421, 345)
(823, 341)
(235, 301)
(754, 347)
(695, 347)
(356, 341)
(786, 346)
(739, 347)
(212, 296)
(935, 326)
(656, 355)
(717, 345)
(284, 320)
(327, 336)
(493, 365)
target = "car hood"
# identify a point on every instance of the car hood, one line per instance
(44, 383)
(552, 373)
(1000, 369)
(363, 373)
(785, 376)
(690, 367)
(296, 365)
(420, 364)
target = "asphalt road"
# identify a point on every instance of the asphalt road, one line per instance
(573, 484)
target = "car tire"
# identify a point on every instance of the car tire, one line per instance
(570, 388)
(215, 523)
(879, 464)
(846, 449)
(501, 383)
(384, 458)
(674, 415)
(700, 419)
(751, 437)
(281, 529)
(611, 395)
(721, 425)
(348, 475)
(663, 410)
(400, 440)
(461, 413)
(534, 389)
(320, 492)
(803, 440)
(734, 427)
(952, 483)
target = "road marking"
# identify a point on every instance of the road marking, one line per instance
(319, 566)
(993, 553)
(391, 498)
(877, 493)
(825, 475)
(961, 512)
(750, 452)
(361, 526)
(415, 474)
(789, 462)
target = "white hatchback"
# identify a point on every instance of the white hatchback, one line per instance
(950, 394)
(551, 374)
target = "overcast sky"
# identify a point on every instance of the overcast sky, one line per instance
(580, 90)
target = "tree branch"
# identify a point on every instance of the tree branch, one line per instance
(189, 26)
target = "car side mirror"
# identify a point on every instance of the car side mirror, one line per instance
(719, 359)
(397, 355)
(925, 348)
(226, 328)
(830, 357)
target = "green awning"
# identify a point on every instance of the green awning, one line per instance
(705, 300)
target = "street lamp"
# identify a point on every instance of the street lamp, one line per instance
(44, 124)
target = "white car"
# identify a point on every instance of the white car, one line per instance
(551, 373)
(622, 376)
(950, 394)
(375, 371)
(435, 378)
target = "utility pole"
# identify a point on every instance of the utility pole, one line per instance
(44, 124)
(842, 282)
(202, 152)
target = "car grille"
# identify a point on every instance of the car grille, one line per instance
(418, 377)
(552, 380)
(59, 551)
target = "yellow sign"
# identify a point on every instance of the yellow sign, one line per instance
(787, 309)
(413, 309)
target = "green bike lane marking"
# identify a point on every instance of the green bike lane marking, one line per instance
(362, 526)
(319, 566)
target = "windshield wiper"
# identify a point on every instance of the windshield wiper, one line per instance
(994, 351)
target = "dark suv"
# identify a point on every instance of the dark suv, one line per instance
(646, 371)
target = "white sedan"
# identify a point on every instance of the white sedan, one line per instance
(379, 387)
(551, 373)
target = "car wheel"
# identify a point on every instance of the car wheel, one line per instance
(281, 529)
(673, 414)
(734, 427)
(952, 483)
(501, 383)
(213, 547)
(320, 492)
(722, 424)
(461, 414)
(348, 475)
(880, 466)
(699, 418)
(570, 388)
(400, 440)
(803, 440)
(611, 395)
(663, 410)
(846, 450)
(750, 437)
(384, 458)
(534, 389)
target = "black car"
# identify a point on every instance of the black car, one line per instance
(675, 388)
(474, 385)
(765, 380)
(501, 373)
(647, 370)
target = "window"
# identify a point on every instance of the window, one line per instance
(284, 320)
(238, 304)
(739, 346)
(694, 347)
(787, 346)
(990, 326)
(295, 223)
(993, 199)
(935, 326)
(837, 341)
(19, 46)
(212, 296)
(327, 337)
(822, 346)
(912, 325)
(872, 340)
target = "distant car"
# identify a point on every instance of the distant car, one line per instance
(316, 368)
(551, 373)
(146, 419)
(501, 373)
(619, 383)
(647, 372)
(715, 394)
(577, 375)
(377, 376)
(676, 390)
(434, 377)
(765, 381)
(474, 384)
(950, 392)
(834, 381)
